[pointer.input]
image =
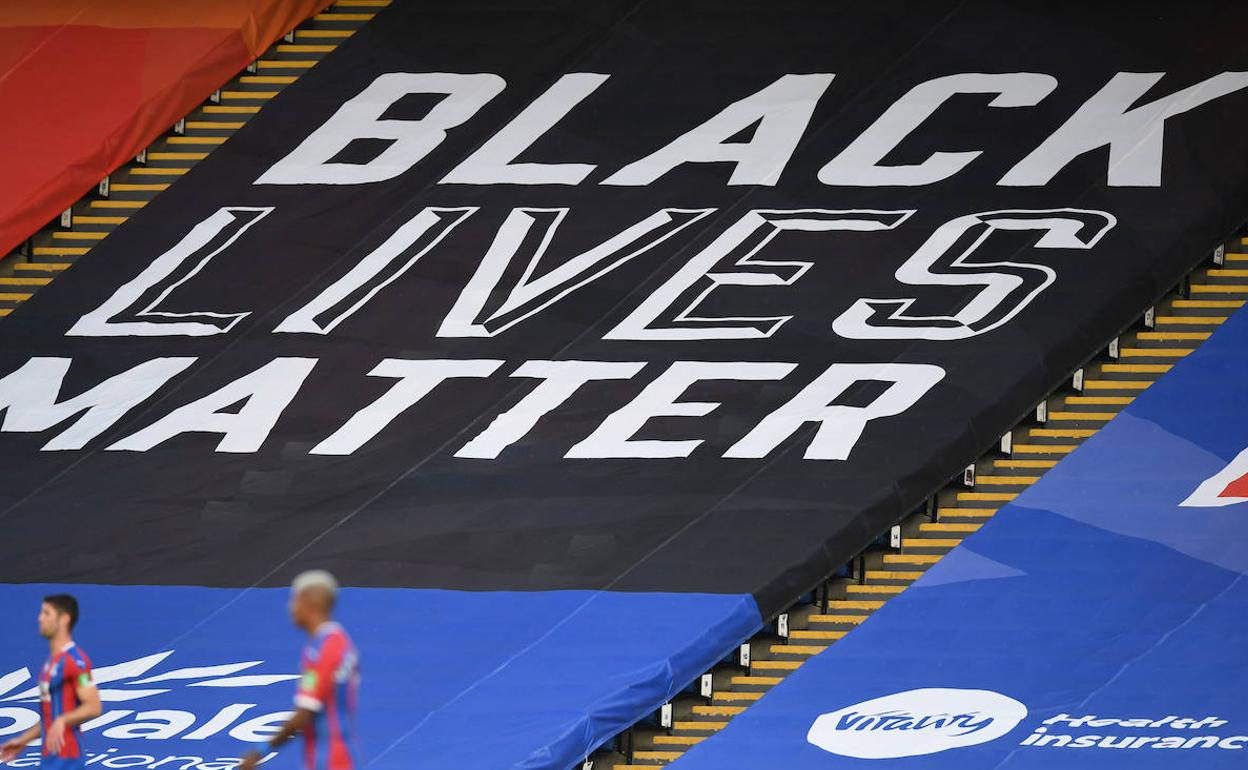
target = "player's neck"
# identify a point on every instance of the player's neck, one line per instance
(58, 642)
(315, 623)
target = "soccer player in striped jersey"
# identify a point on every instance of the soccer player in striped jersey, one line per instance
(67, 694)
(326, 698)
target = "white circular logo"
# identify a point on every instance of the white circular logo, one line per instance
(915, 722)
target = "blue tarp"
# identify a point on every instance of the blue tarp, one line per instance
(1098, 621)
(451, 679)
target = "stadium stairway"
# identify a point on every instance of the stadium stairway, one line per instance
(52, 250)
(1096, 393)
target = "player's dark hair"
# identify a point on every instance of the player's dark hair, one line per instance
(64, 604)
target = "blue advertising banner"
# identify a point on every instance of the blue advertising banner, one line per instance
(1098, 621)
(191, 678)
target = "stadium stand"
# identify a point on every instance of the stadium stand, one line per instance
(589, 526)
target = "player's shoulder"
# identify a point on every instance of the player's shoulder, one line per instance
(335, 637)
(333, 634)
(79, 657)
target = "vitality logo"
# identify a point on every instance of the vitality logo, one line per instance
(916, 722)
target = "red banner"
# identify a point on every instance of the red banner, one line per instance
(84, 86)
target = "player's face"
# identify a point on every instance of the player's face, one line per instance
(297, 610)
(49, 621)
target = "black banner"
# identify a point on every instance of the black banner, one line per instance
(664, 297)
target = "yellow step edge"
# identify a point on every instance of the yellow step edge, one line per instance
(1001, 496)
(850, 604)
(854, 588)
(72, 235)
(157, 172)
(268, 79)
(25, 281)
(930, 542)
(293, 48)
(15, 296)
(775, 665)
(1025, 463)
(854, 619)
(147, 187)
(1010, 481)
(719, 711)
(759, 680)
(890, 574)
(41, 267)
(4, 311)
(1173, 336)
(90, 220)
(176, 155)
(1100, 400)
(59, 251)
(361, 4)
(739, 696)
(283, 64)
(1077, 416)
(343, 16)
(1155, 352)
(796, 649)
(946, 526)
(1065, 432)
(1137, 368)
(895, 558)
(1222, 272)
(966, 513)
(1212, 303)
(230, 109)
(197, 139)
(1114, 385)
(668, 756)
(224, 125)
(1043, 449)
(1214, 288)
(1190, 320)
(118, 204)
(211, 125)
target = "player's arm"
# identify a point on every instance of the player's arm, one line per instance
(88, 706)
(293, 726)
(14, 746)
(315, 688)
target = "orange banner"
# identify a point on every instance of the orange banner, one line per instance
(85, 85)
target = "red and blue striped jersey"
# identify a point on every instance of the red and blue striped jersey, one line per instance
(329, 687)
(62, 675)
